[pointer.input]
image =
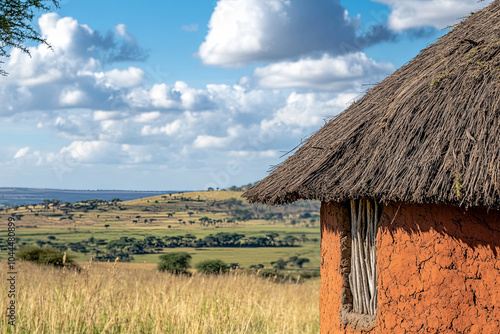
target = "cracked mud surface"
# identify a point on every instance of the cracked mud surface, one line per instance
(438, 270)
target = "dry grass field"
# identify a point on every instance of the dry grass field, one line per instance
(128, 298)
(135, 297)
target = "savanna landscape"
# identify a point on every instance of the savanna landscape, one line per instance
(372, 126)
(269, 282)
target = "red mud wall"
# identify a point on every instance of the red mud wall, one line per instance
(438, 269)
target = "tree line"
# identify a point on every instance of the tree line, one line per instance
(125, 247)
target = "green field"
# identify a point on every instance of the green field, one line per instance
(199, 214)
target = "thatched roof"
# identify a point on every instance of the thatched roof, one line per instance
(429, 133)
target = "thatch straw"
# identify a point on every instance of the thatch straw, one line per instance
(429, 133)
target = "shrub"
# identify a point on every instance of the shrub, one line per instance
(234, 266)
(212, 267)
(279, 264)
(309, 274)
(175, 263)
(256, 266)
(272, 273)
(45, 256)
(112, 255)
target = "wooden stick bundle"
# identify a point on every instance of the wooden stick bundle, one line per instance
(363, 276)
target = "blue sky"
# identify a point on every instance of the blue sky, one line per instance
(162, 95)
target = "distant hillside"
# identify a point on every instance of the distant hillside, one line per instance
(195, 195)
(28, 196)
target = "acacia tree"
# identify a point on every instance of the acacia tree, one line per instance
(16, 24)
(279, 264)
(212, 267)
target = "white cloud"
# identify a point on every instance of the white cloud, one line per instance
(147, 117)
(136, 154)
(89, 151)
(327, 73)
(239, 154)
(148, 130)
(113, 131)
(138, 98)
(163, 97)
(237, 118)
(242, 154)
(192, 99)
(21, 152)
(115, 78)
(100, 115)
(73, 126)
(172, 128)
(434, 13)
(169, 129)
(121, 30)
(267, 154)
(61, 32)
(236, 100)
(253, 30)
(244, 124)
(206, 141)
(72, 97)
(308, 110)
(69, 74)
(100, 152)
(111, 119)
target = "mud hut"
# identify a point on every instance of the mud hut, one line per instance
(409, 180)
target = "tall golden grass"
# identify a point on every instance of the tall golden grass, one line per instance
(114, 298)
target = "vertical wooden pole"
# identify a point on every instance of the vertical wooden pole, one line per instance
(363, 276)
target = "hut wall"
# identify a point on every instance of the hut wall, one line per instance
(438, 266)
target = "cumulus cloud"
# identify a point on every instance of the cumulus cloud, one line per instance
(261, 30)
(251, 124)
(115, 78)
(207, 141)
(89, 151)
(147, 117)
(162, 96)
(21, 152)
(249, 154)
(72, 97)
(239, 119)
(101, 152)
(120, 45)
(137, 154)
(69, 74)
(102, 115)
(307, 110)
(267, 154)
(326, 73)
(178, 97)
(433, 13)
